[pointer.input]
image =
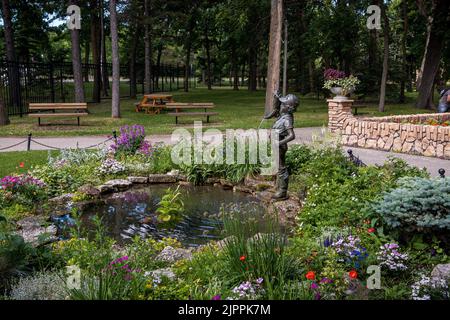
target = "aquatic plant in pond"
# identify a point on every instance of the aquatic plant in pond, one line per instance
(171, 206)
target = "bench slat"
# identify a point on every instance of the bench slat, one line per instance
(52, 115)
(184, 114)
(46, 106)
(189, 104)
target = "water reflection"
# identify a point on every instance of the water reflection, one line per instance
(132, 213)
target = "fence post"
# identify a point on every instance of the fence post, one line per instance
(29, 142)
(52, 83)
(441, 173)
(115, 136)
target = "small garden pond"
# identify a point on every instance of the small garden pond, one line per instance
(133, 213)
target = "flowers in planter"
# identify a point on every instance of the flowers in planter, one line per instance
(390, 257)
(132, 141)
(336, 78)
(111, 166)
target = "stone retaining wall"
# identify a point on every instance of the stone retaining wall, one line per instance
(389, 133)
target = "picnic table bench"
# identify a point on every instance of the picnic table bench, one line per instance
(180, 107)
(153, 103)
(49, 110)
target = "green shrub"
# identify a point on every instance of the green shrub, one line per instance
(418, 205)
(297, 156)
(161, 160)
(338, 192)
(68, 177)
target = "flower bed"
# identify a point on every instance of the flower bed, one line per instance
(351, 218)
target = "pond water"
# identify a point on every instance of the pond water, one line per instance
(125, 215)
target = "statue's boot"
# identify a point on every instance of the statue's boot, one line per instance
(283, 181)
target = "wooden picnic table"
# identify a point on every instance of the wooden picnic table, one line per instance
(153, 103)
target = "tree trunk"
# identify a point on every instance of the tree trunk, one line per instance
(104, 61)
(87, 50)
(273, 65)
(234, 67)
(404, 74)
(158, 65)
(4, 119)
(115, 60)
(132, 61)
(252, 68)
(188, 47)
(208, 58)
(148, 48)
(76, 63)
(285, 58)
(433, 52)
(243, 74)
(384, 76)
(13, 71)
(95, 44)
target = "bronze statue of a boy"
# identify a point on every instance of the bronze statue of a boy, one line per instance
(284, 107)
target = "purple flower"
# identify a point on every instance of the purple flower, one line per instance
(314, 286)
(217, 297)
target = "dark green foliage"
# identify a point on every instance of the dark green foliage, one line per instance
(338, 191)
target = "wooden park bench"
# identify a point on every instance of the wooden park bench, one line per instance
(180, 110)
(49, 110)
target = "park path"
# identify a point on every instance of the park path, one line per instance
(303, 135)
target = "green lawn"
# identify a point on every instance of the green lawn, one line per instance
(10, 161)
(241, 109)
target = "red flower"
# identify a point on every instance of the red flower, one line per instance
(371, 230)
(310, 275)
(242, 258)
(353, 274)
(22, 164)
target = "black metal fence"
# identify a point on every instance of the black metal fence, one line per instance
(22, 83)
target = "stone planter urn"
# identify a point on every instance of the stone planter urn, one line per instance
(340, 93)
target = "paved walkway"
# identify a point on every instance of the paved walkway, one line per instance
(303, 135)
